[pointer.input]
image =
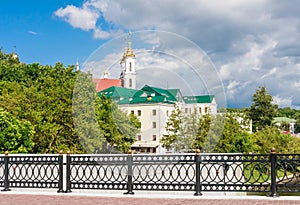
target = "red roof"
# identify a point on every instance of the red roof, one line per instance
(103, 83)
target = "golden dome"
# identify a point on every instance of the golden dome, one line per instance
(128, 52)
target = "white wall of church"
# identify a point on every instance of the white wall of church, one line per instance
(129, 73)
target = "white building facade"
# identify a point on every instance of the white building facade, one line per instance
(152, 105)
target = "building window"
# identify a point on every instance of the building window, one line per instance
(154, 150)
(130, 67)
(130, 82)
(139, 138)
(154, 112)
(153, 124)
(186, 110)
(154, 137)
(206, 109)
(132, 112)
(148, 149)
(167, 112)
(200, 110)
(139, 112)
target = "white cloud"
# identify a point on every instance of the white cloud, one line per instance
(282, 102)
(83, 18)
(269, 73)
(32, 32)
(86, 17)
(249, 64)
(101, 34)
(231, 88)
(252, 43)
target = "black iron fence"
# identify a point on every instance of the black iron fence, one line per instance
(270, 173)
(31, 171)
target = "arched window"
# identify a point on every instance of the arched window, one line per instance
(130, 82)
(130, 67)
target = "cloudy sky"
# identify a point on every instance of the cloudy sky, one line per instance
(250, 43)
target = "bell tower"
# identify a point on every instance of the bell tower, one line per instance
(128, 73)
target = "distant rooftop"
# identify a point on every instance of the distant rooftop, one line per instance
(283, 119)
(104, 83)
(150, 94)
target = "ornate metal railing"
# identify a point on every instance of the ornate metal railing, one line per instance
(288, 172)
(269, 173)
(96, 172)
(235, 173)
(163, 172)
(31, 171)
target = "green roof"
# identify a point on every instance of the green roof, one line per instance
(283, 119)
(153, 91)
(118, 93)
(198, 99)
(174, 92)
(149, 94)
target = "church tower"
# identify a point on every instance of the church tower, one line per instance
(128, 73)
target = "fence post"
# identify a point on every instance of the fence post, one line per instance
(60, 172)
(68, 173)
(273, 160)
(6, 172)
(129, 173)
(198, 183)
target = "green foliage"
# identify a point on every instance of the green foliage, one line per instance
(262, 111)
(202, 132)
(43, 95)
(235, 138)
(271, 137)
(186, 141)
(173, 128)
(285, 126)
(204, 125)
(44, 112)
(297, 124)
(287, 112)
(85, 106)
(291, 113)
(15, 135)
(118, 128)
(214, 133)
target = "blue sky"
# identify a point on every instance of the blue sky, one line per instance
(251, 43)
(40, 36)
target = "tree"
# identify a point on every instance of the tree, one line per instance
(285, 126)
(62, 106)
(101, 125)
(188, 132)
(203, 127)
(41, 95)
(213, 132)
(235, 138)
(287, 112)
(173, 128)
(297, 124)
(118, 128)
(86, 105)
(262, 111)
(271, 137)
(15, 135)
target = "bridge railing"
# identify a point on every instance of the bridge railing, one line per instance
(200, 172)
(31, 171)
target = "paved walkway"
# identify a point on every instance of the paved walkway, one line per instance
(142, 198)
(28, 199)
